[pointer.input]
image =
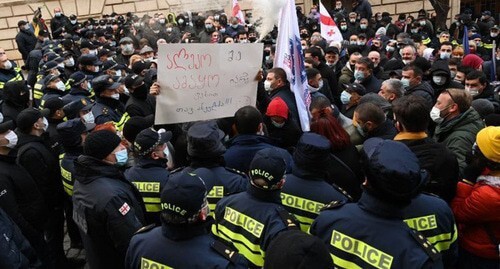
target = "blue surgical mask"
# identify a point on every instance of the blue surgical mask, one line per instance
(405, 82)
(345, 97)
(121, 157)
(359, 76)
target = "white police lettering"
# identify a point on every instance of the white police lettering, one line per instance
(174, 208)
(258, 172)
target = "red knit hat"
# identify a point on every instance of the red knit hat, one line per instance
(277, 107)
(472, 60)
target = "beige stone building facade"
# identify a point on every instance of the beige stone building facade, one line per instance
(11, 11)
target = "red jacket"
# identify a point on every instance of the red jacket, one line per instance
(477, 207)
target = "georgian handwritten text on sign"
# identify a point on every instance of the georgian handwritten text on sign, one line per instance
(205, 81)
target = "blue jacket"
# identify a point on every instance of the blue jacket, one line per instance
(305, 193)
(221, 182)
(242, 148)
(149, 176)
(372, 233)
(432, 216)
(173, 246)
(15, 250)
(250, 220)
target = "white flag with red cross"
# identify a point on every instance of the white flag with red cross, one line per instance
(237, 12)
(329, 30)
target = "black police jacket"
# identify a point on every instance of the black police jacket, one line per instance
(180, 246)
(35, 155)
(20, 197)
(107, 210)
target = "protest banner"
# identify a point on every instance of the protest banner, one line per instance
(206, 81)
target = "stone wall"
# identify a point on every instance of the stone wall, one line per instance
(11, 11)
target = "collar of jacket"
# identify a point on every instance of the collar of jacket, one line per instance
(148, 163)
(182, 232)
(378, 207)
(271, 196)
(248, 139)
(410, 136)
(318, 174)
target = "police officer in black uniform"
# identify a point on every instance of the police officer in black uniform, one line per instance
(371, 232)
(250, 220)
(54, 88)
(72, 136)
(150, 173)
(306, 191)
(80, 88)
(183, 240)
(90, 65)
(106, 207)
(108, 106)
(140, 103)
(81, 109)
(206, 150)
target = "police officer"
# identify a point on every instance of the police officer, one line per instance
(80, 88)
(250, 220)
(306, 191)
(182, 241)
(79, 109)
(371, 232)
(90, 65)
(106, 207)
(56, 116)
(206, 150)
(16, 96)
(8, 70)
(21, 198)
(54, 88)
(150, 173)
(108, 106)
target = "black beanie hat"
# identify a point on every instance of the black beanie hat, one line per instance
(100, 144)
(296, 249)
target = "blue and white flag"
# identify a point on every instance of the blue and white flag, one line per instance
(465, 41)
(289, 56)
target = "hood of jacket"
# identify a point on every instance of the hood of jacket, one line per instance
(88, 169)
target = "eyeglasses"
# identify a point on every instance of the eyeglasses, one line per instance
(451, 96)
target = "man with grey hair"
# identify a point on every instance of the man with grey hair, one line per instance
(391, 89)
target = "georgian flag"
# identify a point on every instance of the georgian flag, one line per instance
(289, 56)
(329, 30)
(237, 12)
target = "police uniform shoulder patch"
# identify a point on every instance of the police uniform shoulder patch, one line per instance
(287, 218)
(145, 229)
(177, 170)
(344, 192)
(431, 251)
(333, 205)
(226, 252)
(235, 171)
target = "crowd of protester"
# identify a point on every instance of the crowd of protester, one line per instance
(400, 168)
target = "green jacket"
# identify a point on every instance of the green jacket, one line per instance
(459, 134)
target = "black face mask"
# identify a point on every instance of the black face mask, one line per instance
(140, 92)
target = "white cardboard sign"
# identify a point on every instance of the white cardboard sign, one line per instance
(205, 81)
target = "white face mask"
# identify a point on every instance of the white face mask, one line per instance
(7, 65)
(61, 65)
(126, 91)
(73, 21)
(115, 96)
(267, 86)
(439, 80)
(472, 91)
(26, 27)
(405, 82)
(493, 35)
(12, 138)
(45, 124)
(436, 115)
(69, 62)
(60, 86)
(118, 73)
(96, 69)
(89, 117)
